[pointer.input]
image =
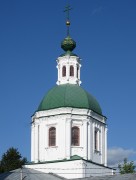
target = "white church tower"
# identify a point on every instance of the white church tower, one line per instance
(69, 131)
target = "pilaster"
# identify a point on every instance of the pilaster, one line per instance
(32, 143)
(68, 138)
(90, 140)
(106, 146)
(85, 137)
(36, 143)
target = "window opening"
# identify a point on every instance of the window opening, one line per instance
(75, 135)
(52, 136)
(64, 71)
(96, 140)
(71, 71)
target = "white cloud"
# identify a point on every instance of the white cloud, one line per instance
(116, 155)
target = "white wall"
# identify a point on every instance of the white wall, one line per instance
(67, 61)
(63, 119)
(72, 169)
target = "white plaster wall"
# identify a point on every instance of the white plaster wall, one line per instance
(68, 61)
(96, 170)
(99, 156)
(72, 169)
(63, 119)
(67, 169)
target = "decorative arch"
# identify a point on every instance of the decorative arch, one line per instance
(63, 71)
(52, 136)
(75, 136)
(71, 70)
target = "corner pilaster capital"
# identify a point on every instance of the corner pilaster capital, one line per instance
(68, 120)
(85, 121)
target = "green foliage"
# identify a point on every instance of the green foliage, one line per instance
(11, 160)
(1, 169)
(127, 167)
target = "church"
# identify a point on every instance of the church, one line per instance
(68, 129)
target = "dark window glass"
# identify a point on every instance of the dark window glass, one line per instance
(71, 71)
(64, 71)
(75, 134)
(96, 140)
(52, 136)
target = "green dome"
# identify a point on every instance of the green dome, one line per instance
(68, 44)
(69, 96)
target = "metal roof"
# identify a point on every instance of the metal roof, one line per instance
(69, 95)
(28, 174)
(113, 177)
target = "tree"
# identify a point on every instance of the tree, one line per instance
(11, 160)
(126, 167)
(1, 169)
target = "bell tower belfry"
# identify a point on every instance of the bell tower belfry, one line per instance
(68, 64)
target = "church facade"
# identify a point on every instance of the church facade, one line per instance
(69, 131)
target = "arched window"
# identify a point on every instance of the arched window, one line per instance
(96, 139)
(75, 136)
(64, 71)
(71, 71)
(52, 136)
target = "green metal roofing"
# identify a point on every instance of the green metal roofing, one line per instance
(68, 53)
(69, 95)
(68, 44)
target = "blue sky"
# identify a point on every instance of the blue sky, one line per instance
(30, 36)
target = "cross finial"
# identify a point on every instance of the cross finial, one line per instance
(67, 10)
